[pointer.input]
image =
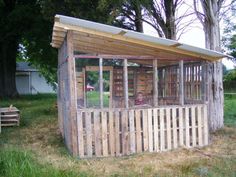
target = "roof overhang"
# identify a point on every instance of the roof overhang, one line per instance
(99, 39)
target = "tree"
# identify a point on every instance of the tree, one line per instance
(29, 23)
(125, 13)
(16, 18)
(209, 18)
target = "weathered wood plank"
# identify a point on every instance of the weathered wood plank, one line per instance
(97, 134)
(72, 96)
(205, 128)
(150, 130)
(181, 140)
(162, 131)
(111, 133)
(168, 129)
(199, 118)
(124, 129)
(155, 130)
(117, 132)
(80, 134)
(174, 119)
(88, 127)
(104, 134)
(132, 132)
(193, 116)
(187, 137)
(145, 129)
(138, 131)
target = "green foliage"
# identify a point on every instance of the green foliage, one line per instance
(30, 23)
(230, 76)
(229, 110)
(16, 163)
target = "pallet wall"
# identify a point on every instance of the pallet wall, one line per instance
(118, 132)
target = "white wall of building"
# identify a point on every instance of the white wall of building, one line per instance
(32, 83)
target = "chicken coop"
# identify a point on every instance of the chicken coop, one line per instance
(151, 93)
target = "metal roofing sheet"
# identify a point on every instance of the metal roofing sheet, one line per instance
(135, 35)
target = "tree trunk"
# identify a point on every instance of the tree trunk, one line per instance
(8, 51)
(170, 31)
(215, 76)
(138, 17)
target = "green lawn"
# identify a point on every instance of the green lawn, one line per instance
(93, 99)
(230, 110)
(36, 149)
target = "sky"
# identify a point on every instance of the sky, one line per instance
(193, 36)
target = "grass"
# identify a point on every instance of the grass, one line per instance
(93, 99)
(36, 149)
(230, 110)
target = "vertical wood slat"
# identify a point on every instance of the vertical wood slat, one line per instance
(117, 133)
(150, 130)
(193, 126)
(155, 129)
(174, 119)
(132, 132)
(200, 143)
(181, 140)
(124, 124)
(80, 134)
(145, 129)
(162, 133)
(101, 82)
(187, 137)
(104, 134)
(168, 128)
(111, 133)
(138, 131)
(97, 133)
(205, 128)
(88, 128)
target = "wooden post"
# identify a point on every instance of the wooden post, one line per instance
(204, 82)
(101, 82)
(72, 93)
(126, 94)
(155, 83)
(181, 82)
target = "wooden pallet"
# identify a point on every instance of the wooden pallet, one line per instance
(9, 117)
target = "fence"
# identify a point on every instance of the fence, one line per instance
(117, 132)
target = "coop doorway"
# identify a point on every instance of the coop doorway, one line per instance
(92, 93)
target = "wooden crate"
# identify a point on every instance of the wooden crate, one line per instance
(9, 117)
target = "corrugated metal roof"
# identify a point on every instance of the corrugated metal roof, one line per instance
(128, 34)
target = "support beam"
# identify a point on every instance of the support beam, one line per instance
(101, 82)
(204, 82)
(72, 93)
(181, 82)
(126, 91)
(155, 83)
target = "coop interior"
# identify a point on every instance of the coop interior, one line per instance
(140, 82)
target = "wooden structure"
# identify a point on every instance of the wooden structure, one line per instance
(171, 77)
(9, 117)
